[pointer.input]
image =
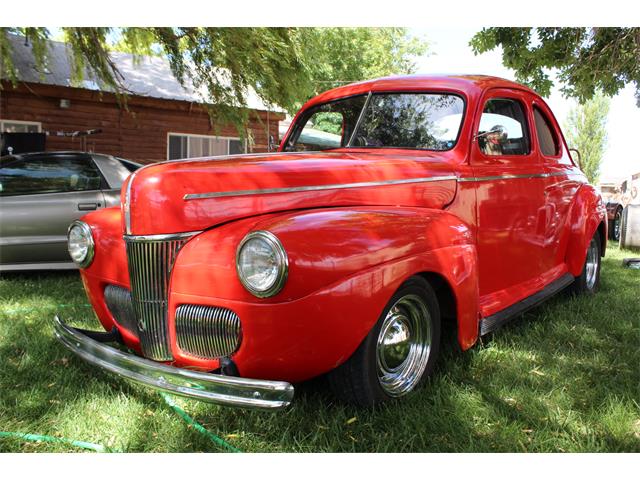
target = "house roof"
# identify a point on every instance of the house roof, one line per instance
(144, 76)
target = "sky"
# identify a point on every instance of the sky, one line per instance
(449, 52)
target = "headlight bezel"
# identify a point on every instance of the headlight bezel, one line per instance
(88, 233)
(282, 261)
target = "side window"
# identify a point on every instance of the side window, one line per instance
(547, 138)
(322, 131)
(503, 128)
(22, 176)
(327, 126)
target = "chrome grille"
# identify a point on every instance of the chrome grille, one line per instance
(119, 303)
(207, 332)
(150, 260)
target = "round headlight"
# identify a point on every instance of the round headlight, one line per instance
(262, 264)
(80, 243)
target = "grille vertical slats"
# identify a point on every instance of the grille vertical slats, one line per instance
(118, 301)
(150, 264)
(207, 332)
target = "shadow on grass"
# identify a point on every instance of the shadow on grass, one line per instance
(563, 377)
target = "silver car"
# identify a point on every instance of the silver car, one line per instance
(42, 193)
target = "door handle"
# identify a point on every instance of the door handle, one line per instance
(83, 207)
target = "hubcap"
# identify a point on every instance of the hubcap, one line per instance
(616, 227)
(403, 346)
(591, 268)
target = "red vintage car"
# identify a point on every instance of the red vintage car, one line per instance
(393, 208)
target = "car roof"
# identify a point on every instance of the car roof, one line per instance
(469, 84)
(62, 153)
(47, 154)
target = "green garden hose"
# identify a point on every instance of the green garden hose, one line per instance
(30, 437)
(100, 448)
(46, 438)
(197, 426)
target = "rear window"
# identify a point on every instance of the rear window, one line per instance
(547, 138)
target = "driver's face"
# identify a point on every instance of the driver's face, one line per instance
(494, 138)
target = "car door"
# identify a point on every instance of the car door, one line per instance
(509, 193)
(562, 181)
(41, 195)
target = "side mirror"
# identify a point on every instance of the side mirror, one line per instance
(273, 146)
(578, 155)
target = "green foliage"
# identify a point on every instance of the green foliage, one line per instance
(335, 56)
(586, 130)
(284, 66)
(587, 59)
(330, 122)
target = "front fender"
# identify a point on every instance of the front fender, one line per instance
(375, 248)
(587, 214)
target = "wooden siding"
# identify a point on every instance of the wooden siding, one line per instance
(137, 132)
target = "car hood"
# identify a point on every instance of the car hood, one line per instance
(192, 195)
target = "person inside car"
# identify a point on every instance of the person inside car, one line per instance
(493, 140)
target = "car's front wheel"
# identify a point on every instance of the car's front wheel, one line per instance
(399, 352)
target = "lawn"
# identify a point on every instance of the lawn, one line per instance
(565, 377)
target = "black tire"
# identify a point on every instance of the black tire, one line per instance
(616, 224)
(358, 380)
(588, 282)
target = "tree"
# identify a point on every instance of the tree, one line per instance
(284, 66)
(587, 59)
(585, 130)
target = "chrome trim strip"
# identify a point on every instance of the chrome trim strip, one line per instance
(221, 389)
(335, 186)
(160, 237)
(126, 207)
(315, 188)
(359, 120)
(510, 177)
(528, 175)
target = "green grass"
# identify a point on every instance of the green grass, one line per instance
(565, 377)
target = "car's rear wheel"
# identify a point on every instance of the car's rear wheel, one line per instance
(399, 352)
(589, 280)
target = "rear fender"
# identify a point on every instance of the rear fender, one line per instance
(588, 213)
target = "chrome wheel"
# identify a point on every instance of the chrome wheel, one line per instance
(591, 266)
(404, 345)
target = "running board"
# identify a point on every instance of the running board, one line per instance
(495, 321)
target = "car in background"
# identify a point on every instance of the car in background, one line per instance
(42, 193)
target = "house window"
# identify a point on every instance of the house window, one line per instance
(192, 146)
(17, 126)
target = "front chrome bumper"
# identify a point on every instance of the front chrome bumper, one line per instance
(221, 389)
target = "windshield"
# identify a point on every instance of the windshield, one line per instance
(426, 121)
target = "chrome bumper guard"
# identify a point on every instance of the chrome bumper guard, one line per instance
(220, 389)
